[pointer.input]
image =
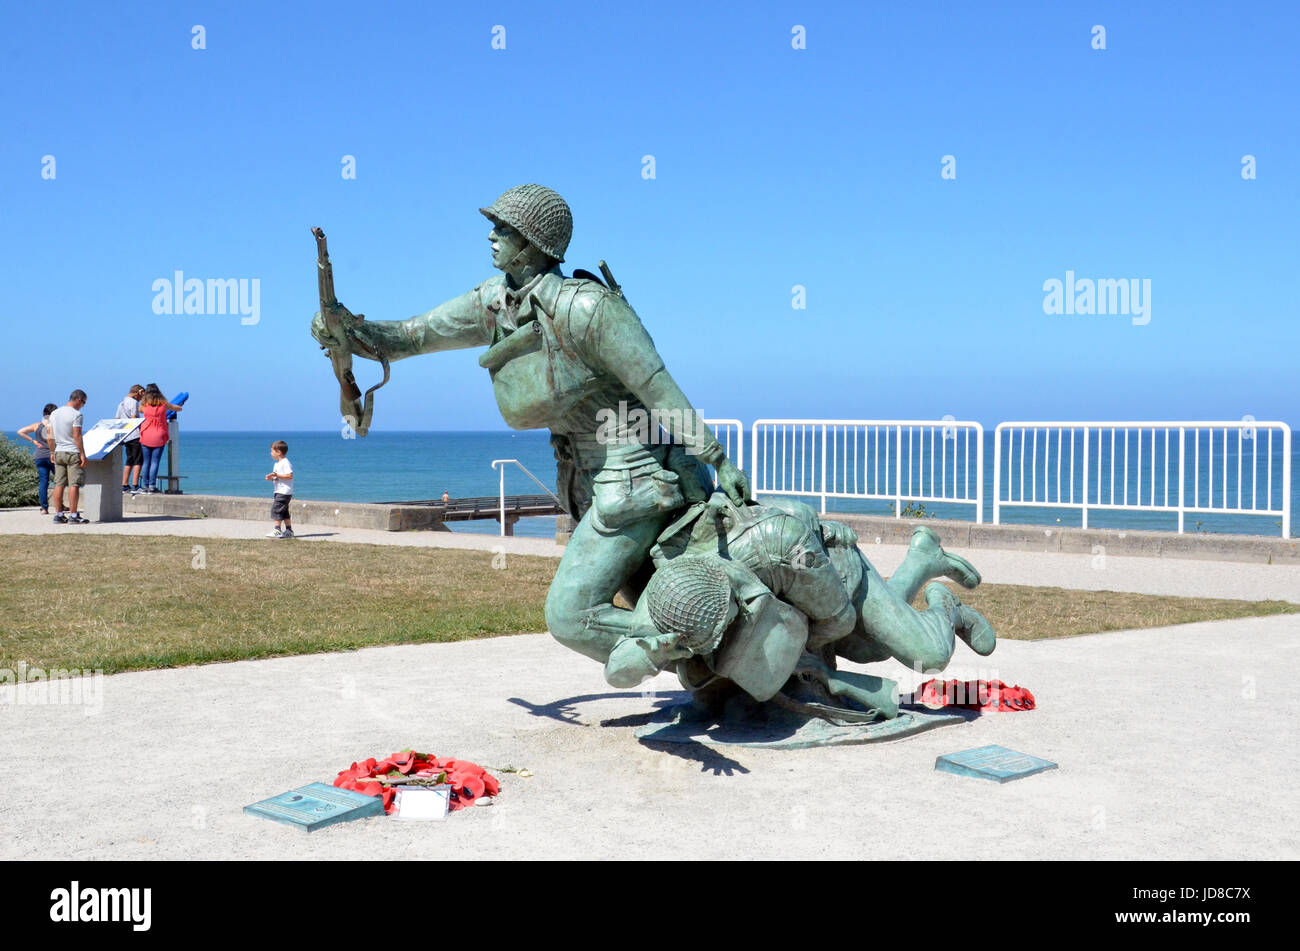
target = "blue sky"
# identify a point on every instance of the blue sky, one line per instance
(774, 167)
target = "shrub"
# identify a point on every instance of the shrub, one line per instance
(18, 480)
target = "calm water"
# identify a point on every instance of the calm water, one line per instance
(382, 467)
(391, 466)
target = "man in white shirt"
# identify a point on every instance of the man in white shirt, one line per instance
(69, 454)
(132, 454)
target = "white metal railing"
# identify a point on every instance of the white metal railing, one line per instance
(1180, 466)
(916, 460)
(729, 433)
(502, 463)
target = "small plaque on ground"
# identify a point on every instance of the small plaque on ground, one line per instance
(315, 806)
(992, 762)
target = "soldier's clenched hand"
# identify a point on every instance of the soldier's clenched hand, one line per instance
(733, 482)
(837, 533)
(336, 339)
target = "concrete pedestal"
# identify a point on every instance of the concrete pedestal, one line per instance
(101, 496)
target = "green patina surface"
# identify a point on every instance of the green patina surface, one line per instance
(743, 598)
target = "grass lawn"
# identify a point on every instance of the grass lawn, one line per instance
(129, 602)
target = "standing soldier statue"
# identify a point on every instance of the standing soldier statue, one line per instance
(565, 354)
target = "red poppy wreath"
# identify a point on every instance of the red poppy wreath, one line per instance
(469, 782)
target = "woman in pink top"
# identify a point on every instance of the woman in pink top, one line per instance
(153, 434)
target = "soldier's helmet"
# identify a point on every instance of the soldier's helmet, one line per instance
(690, 596)
(538, 213)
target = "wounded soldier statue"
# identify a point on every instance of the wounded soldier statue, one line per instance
(737, 597)
(765, 597)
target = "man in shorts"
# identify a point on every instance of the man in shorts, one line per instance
(69, 458)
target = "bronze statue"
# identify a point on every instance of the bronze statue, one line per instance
(757, 599)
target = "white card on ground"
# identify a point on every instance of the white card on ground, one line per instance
(428, 803)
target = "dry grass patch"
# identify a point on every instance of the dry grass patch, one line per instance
(119, 602)
(1027, 613)
(131, 602)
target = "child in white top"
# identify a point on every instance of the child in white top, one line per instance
(282, 475)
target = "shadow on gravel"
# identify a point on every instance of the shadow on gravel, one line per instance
(566, 711)
(152, 518)
(965, 714)
(710, 760)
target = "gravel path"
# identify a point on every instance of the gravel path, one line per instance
(1172, 743)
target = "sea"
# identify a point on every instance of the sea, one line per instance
(381, 467)
(413, 466)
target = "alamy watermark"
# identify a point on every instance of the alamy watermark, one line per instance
(1121, 297)
(37, 687)
(212, 297)
(639, 426)
(85, 904)
(961, 685)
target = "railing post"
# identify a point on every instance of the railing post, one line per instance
(1182, 454)
(979, 471)
(997, 473)
(898, 474)
(503, 500)
(1084, 522)
(1286, 481)
(823, 468)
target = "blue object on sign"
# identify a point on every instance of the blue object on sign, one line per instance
(992, 762)
(315, 806)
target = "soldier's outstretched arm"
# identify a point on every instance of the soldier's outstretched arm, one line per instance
(626, 350)
(454, 325)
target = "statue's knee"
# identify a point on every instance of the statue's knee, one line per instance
(928, 659)
(563, 619)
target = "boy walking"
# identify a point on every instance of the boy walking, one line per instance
(282, 475)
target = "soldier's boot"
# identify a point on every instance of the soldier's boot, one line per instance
(926, 559)
(967, 623)
(976, 631)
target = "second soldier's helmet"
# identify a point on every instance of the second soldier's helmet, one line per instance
(691, 596)
(538, 213)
